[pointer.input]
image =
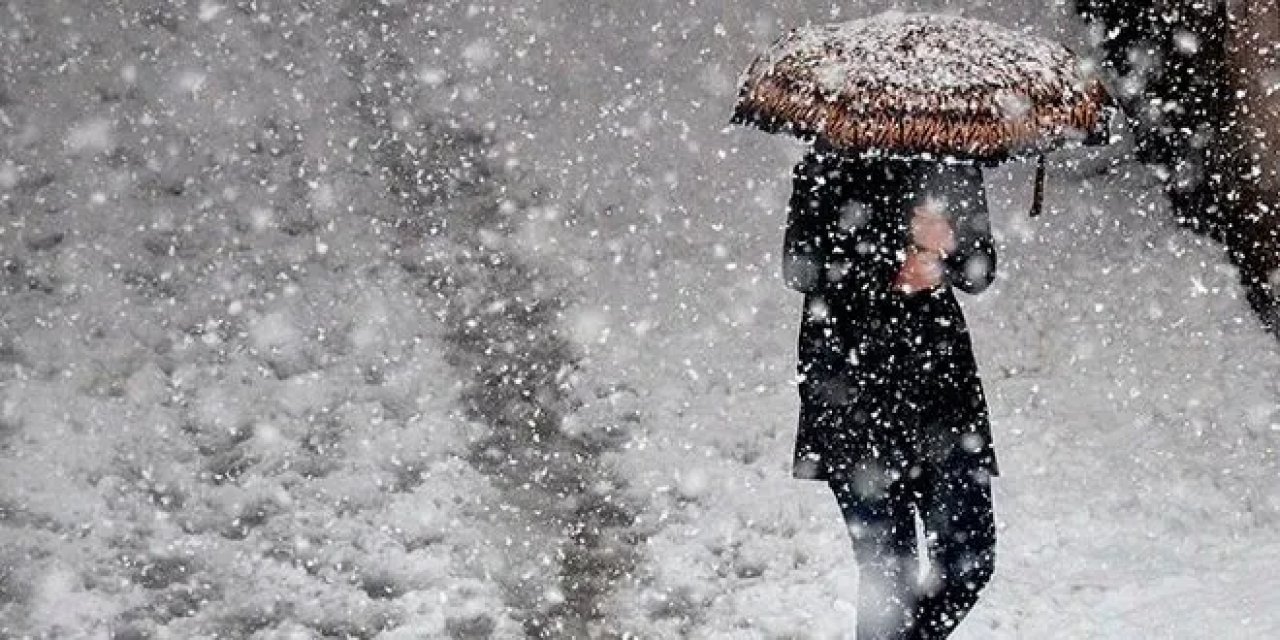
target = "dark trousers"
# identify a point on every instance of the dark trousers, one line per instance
(954, 507)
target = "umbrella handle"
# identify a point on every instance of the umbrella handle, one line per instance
(1037, 196)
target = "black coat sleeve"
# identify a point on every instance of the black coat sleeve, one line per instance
(824, 249)
(808, 236)
(971, 267)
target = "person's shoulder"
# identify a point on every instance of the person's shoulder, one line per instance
(825, 165)
(961, 170)
(953, 176)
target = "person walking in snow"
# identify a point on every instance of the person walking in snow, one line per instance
(887, 218)
(893, 415)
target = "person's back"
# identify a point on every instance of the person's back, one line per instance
(892, 410)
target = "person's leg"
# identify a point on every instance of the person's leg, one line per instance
(959, 525)
(880, 517)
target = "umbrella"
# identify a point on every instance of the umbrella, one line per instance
(912, 84)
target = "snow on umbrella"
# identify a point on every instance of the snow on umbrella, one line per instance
(923, 84)
(904, 84)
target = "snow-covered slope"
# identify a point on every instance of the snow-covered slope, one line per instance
(263, 330)
(1135, 398)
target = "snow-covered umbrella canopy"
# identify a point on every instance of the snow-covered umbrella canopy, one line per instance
(913, 84)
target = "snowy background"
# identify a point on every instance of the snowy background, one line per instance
(460, 320)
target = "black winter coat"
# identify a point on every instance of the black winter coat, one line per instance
(887, 379)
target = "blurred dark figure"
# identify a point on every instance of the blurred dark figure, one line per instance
(1202, 81)
(893, 414)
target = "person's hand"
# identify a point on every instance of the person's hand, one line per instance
(931, 228)
(921, 271)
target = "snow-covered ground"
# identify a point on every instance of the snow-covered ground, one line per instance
(253, 379)
(1134, 402)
